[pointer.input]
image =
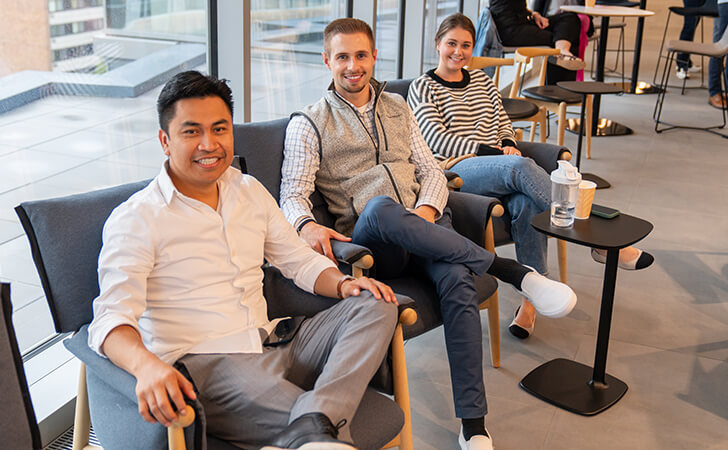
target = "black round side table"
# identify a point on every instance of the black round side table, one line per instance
(565, 383)
(588, 88)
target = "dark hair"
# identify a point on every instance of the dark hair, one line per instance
(190, 84)
(456, 20)
(346, 26)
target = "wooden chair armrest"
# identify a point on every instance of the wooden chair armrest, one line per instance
(176, 433)
(524, 54)
(481, 62)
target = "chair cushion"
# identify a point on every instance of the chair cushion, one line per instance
(517, 108)
(65, 240)
(551, 94)
(261, 144)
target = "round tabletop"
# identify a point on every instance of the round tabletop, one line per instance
(604, 10)
(619, 232)
(589, 87)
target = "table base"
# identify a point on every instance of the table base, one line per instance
(600, 182)
(568, 385)
(605, 127)
(642, 87)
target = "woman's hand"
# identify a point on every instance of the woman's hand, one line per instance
(540, 20)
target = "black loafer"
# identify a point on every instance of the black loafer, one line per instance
(312, 431)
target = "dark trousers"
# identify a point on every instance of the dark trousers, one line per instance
(688, 32)
(400, 240)
(714, 67)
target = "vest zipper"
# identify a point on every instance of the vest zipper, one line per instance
(394, 185)
(386, 144)
(356, 113)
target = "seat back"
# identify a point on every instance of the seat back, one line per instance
(400, 87)
(19, 425)
(65, 241)
(523, 56)
(482, 62)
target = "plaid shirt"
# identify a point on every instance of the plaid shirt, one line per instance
(301, 162)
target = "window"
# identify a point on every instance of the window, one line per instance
(387, 37)
(76, 27)
(287, 39)
(435, 12)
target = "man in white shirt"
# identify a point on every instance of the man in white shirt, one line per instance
(181, 283)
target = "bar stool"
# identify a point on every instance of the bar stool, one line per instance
(715, 50)
(709, 9)
(586, 89)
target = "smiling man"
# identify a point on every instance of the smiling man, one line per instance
(181, 290)
(361, 147)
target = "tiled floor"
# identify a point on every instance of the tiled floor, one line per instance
(670, 326)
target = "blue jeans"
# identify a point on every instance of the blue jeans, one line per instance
(714, 72)
(688, 32)
(523, 187)
(398, 239)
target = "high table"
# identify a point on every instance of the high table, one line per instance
(586, 88)
(600, 126)
(565, 383)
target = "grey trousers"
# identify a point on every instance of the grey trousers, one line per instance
(250, 398)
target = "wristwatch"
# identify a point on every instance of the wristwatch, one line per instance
(341, 283)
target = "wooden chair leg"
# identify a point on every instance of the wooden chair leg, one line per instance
(562, 123)
(401, 386)
(544, 117)
(494, 329)
(561, 250)
(82, 420)
(519, 134)
(589, 118)
(532, 134)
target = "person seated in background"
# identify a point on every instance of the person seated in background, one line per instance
(715, 98)
(461, 117)
(361, 148)
(181, 289)
(519, 27)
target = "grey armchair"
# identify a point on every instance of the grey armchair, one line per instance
(17, 420)
(65, 240)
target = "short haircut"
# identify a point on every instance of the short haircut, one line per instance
(346, 26)
(456, 20)
(190, 84)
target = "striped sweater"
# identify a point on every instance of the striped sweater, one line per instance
(456, 117)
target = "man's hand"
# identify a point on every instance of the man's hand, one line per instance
(380, 290)
(426, 212)
(157, 383)
(319, 237)
(540, 20)
(510, 151)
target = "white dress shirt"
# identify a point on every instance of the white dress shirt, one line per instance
(189, 278)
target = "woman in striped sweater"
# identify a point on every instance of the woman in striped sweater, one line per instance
(460, 115)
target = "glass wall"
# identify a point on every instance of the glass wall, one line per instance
(387, 39)
(287, 38)
(435, 11)
(88, 130)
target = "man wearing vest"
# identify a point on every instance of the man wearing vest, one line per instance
(362, 149)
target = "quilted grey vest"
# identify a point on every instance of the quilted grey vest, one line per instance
(356, 166)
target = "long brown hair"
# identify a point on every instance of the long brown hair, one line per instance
(456, 20)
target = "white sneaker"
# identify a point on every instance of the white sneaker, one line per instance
(682, 73)
(694, 69)
(549, 297)
(477, 442)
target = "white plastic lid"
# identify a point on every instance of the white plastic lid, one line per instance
(565, 174)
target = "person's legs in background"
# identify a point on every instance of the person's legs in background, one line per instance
(714, 73)
(687, 34)
(566, 29)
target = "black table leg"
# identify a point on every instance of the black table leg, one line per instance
(636, 86)
(577, 387)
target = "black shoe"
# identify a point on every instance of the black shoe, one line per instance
(312, 431)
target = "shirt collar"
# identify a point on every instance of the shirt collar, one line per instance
(169, 190)
(369, 105)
